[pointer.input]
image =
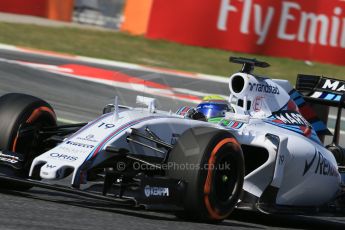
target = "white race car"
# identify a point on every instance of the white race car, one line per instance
(261, 150)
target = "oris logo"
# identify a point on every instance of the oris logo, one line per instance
(156, 191)
(63, 157)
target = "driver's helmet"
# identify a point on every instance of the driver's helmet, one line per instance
(213, 107)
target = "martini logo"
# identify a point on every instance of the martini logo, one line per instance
(334, 85)
(156, 191)
(290, 118)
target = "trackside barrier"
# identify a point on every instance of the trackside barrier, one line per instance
(305, 30)
(136, 16)
(53, 9)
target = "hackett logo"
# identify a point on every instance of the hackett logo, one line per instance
(294, 23)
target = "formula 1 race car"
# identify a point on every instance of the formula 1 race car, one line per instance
(264, 153)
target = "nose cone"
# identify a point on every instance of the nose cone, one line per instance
(51, 171)
(48, 171)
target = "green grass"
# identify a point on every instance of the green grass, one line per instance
(136, 49)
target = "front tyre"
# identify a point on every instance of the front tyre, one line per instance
(21, 118)
(211, 162)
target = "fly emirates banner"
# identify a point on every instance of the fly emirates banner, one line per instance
(303, 29)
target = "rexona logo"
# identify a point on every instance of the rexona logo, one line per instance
(79, 144)
(320, 165)
(334, 85)
(264, 88)
(291, 118)
(156, 191)
(63, 157)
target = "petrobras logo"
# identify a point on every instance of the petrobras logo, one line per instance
(156, 191)
(264, 88)
(80, 144)
(63, 157)
(334, 85)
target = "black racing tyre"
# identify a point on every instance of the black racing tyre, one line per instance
(211, 162)
(338, 153)
(20, 112)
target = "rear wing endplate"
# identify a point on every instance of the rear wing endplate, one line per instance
(321, 90)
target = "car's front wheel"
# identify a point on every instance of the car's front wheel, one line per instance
(211, 162)
(21, 118)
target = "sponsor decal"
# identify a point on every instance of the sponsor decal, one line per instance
(320, 165)
(80, 144)
(237, 117)
(263, 88)
(156, 191)
(50, 166)
(64, 157)
(290, 118)
(334, 85)
(68, 150)
(106, 126)
(295, 122)
(90, 138)
(257, 104)
(8, 158)
(255, 26)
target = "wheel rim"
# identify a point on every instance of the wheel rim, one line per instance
(42, 116)
(224, 179)
(221, 187)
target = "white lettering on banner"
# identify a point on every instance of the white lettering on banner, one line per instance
(261, 26)
(223, 13)
(335, 27)
(311, 27)
(342, 43)
(246, 16)
(262, 29)
(285, 18)
(314, 21)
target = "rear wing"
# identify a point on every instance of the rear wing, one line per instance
(319, 90)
